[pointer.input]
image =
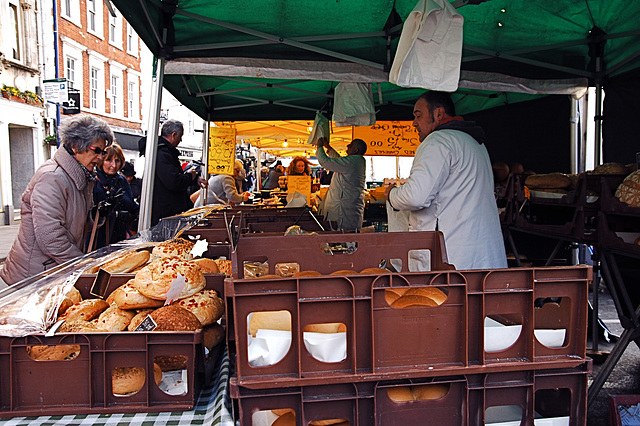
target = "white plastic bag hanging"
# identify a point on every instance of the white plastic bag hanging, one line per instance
(430, 48)
(320, 129)
(353, 105)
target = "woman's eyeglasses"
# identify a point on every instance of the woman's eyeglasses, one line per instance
(98, 151)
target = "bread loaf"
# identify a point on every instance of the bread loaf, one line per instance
(79, 326)
(128, 297)
(155, 279)
(205, 305)
(86, 310)
(393, 294)
(138, 318)
(306, 274)
(413, 301)
(610, 169)
(629, 190)
(208, 266)
(548, 181)
(175, 318)
(400, 394)
(53, 353)
(343, 272)
(269, 320)
(176, 247)
(212, 335)
(224, 266)
(127, 263)
(171, 362)
(429, 392)
(433, 293)
(287, 419)
(127, 380)
(115, 319)
(374, 271)
(328, 327)
(72, 297)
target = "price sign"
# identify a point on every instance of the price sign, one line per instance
(222, 150)
(397, 138)
(301, 183)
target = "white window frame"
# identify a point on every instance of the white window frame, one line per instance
(116, 98)
(14, 29)
(131, 41)
(133, 101)
(94, 87)
(74, 50)
(74, 15)
(70, 71)
(115, 30)
(116, 70)
(97, 62)
(98, 31)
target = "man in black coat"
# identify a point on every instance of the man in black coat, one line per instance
(170, 195)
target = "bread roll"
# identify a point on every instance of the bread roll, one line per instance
(171, 362)
(269, 320)
(431, 391)
(400, 394)
(413, 301)
(306, 274)
(127, 263)
(115, 319)
(138, 318)
(329, 327)
(79, 326)
(208, 266)
(212, 335)
(86, 310)
(393, 294)
(175, 318)
(629, 190)
(176, 247)
(343, 272)
(433, 293)
(128, 297)
(73, 296)
(287, 419)
(550, 181)
(127, 380)
(224, 266)
(205, 305)
(155, 279)
(53, 353)
(374, 271)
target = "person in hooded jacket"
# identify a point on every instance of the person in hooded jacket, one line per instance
(344, 200)
(57, 203)
(450, 187)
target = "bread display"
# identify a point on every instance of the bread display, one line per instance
(155, 279)
(176, 247)
(629, 190)
(175, 318)
(205, 305)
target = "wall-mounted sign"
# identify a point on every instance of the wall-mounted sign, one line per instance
(396, 138)
(222, 150)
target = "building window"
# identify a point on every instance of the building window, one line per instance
(70, 71)
(112, 28)
(94, 88)
(114, 94)
(130, 35)
(66, 8)
(130, 94)
(91, 15)
(14, 42)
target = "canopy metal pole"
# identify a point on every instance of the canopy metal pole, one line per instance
(146, 200)
(259, 169)
(205, 160)
(575, 136)
(598, 125)
(397, 167)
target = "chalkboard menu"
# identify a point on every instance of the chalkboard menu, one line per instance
(396, 138)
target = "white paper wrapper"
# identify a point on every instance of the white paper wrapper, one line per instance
(498, 337)
(268, 347)
(326, 347)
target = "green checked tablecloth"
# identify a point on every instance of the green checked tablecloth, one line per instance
(211, 409)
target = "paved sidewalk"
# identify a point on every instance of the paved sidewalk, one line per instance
(8, 233)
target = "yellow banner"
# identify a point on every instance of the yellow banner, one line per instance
(222, 150)
(396, 138)
(300, 183)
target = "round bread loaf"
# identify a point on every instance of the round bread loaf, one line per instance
(208, 266)
(127, 380)
(343, 272)
(138, 318)
(400, 394)
(431, 391)
(175, 318)
(175, 247)
(374, 271)
(433, 293)
(224, 266)
(171, 362)
(86, 310)
(629, 190)
(128, 297)
(393, 294)
(610, 169)
(79, 326)
(287, 419)
(413, 301)
(157, 373)
(212, 335)
(115, 319)
(205, 305)
(155, 279)
(53, 353)
(73, 296)
(306, 274)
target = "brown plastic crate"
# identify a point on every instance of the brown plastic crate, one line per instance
(617, 400)
(474, 399)
(382, 341)
(83, 385)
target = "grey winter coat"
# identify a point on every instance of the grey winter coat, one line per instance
(54, 211)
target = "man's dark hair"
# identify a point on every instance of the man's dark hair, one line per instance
(439, 99)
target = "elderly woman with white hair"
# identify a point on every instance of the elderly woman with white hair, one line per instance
(224, 189)
(56, 205)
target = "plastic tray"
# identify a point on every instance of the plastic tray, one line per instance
(549, 397)
(83, 385)
(382, 341)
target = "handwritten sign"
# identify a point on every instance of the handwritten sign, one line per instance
(396, 138)
(302, 184)
(222, 150)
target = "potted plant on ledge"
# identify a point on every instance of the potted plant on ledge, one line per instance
(11, 93)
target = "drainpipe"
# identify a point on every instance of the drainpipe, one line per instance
(55, 50)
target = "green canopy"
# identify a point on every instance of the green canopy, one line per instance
(281, 59)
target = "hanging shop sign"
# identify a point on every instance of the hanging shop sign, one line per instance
(397, 138)
(222, 150)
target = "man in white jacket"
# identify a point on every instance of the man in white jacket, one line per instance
(450, 188)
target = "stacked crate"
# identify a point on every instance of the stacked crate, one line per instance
(393, 350)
